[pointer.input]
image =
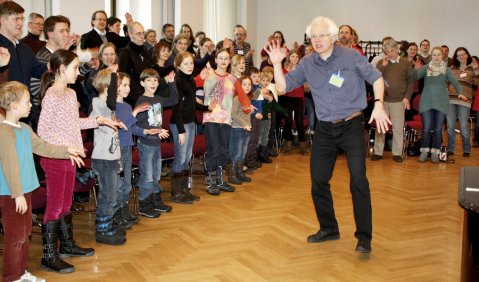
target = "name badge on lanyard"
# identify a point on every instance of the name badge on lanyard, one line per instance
(336, 80)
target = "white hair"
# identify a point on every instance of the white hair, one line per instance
(332, 27)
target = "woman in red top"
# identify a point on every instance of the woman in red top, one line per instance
(293, 102)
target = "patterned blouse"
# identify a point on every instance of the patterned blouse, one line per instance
(60, 121)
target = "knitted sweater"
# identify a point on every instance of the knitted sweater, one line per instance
(466, 78)
(398, 80)
(434, 94)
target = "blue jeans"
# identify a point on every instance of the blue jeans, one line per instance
(108, 180)
(150, 170)
(264, 136)
(217, 138)
(329, 139)
(463, 114)
(432, 120)
(238, 144)
(125, 183)
(183, 152)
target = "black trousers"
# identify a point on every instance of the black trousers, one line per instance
(328, 139)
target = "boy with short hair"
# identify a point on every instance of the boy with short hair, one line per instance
(18, 178)
(151, 203)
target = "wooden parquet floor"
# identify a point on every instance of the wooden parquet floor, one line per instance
(259, 232)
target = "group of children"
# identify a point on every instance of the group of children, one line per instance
(236, 118)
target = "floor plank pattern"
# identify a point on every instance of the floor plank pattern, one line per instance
(259, 232)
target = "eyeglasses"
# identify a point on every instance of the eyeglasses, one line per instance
(319, 36)
(101, 20)
(462, 55)
(37, 24)
(240, 34)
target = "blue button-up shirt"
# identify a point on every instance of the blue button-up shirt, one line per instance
(332, 102)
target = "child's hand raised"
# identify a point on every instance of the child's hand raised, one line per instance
(170, 78)
(21, 205)
(163, 133)
(141, 108)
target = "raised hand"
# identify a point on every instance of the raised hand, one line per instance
(275, 52)
(141, 108)
(129, 18)
(170, 78)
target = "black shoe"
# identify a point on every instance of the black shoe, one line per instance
(397, 159)
(322, 236)
(147, 209)
(213, 190)
(450, 153)
(376, 158)
(466, 155)
(363, 246)
(225, 187)
(159, 205)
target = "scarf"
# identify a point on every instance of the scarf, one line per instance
(435, 69)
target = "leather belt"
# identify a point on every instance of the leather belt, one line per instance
(356, 114)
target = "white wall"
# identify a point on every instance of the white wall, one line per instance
(441, 21)
(190, 12)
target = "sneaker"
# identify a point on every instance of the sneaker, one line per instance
(423, 157)
(159, 205)
(28, 277)
(147, 209)
(434, 158)
(213, 190)
(376, 158)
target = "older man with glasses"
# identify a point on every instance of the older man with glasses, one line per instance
(336, 77)
(243, 48)
(35, 29)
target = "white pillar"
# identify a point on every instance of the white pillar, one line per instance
(219, 18)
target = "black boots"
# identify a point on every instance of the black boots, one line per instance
(177, 194)
(263, 154)
(125, 211)
(158, 203)
(50, 258)
(119, 221)
(68, 247)
(106, 233)
(211, 187)
(147, 208)
(240, 173)
(233, 174)
(220, 181)
(185, 186)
